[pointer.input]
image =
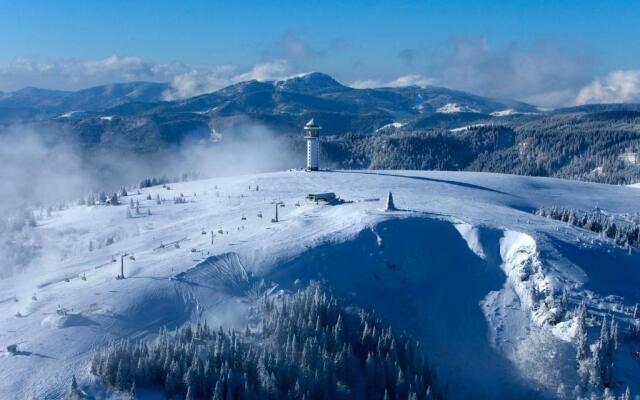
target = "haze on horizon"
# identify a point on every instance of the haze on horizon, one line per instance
(545, 53)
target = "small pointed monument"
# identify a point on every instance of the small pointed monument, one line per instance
(389, 205)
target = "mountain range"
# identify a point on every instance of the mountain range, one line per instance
(391, 127)
(280, 104)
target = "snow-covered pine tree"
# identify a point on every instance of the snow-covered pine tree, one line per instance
(114, 199)
(613, 333)
(132, 391)
(190, 393)
(74, 392)
(217, 392)
(583, 353)
(565, 299)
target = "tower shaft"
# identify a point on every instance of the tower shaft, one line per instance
(313, 154)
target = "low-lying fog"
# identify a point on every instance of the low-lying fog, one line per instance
(41, 168)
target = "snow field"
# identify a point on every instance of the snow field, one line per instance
(458, 268)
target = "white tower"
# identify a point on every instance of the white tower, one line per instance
(312, 134)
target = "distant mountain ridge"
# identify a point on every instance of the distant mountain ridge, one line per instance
(36, 103)
(385, 128)
(299, 96)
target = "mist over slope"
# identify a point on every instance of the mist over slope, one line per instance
(492, 291)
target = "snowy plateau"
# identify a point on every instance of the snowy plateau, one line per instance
(464, 266)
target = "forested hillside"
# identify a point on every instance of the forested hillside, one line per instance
(599, 146)
(306, 346)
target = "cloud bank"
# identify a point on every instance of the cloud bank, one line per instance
(80, 74)
(544, 73)
(401, 81)
(207, 79)
(43, 166)
(616, 87)
(184, 80)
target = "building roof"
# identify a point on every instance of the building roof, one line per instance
(321, 196)
(311, 124)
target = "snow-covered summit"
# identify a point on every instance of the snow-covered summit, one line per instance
(464, 266)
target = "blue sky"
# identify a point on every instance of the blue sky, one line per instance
(538, 48)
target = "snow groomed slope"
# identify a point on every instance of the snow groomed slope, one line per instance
(464, 266)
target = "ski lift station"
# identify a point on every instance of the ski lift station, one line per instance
(312, 135)
(326, 198)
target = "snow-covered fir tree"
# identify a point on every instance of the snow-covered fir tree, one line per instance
(74, 392)
(623, 233)
(113, 200)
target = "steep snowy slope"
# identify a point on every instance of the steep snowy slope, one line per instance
(464, 266)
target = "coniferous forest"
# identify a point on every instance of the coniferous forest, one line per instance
(304, 346)
(600, 146)
(624, 232)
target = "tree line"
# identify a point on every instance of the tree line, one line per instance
(623, 233)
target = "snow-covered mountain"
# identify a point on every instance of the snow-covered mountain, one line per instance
(387, 127)
(281, 103)
(465, 266)
(35, 103)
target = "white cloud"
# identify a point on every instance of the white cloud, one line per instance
(412, 80)
(552, 98)
(366, 84)
(76, 74)
(210, 78)
(199, 80)
(184, 80)
(545, 72)
(275, 70)
(622, 86)
(402, 81)
(293, 47)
